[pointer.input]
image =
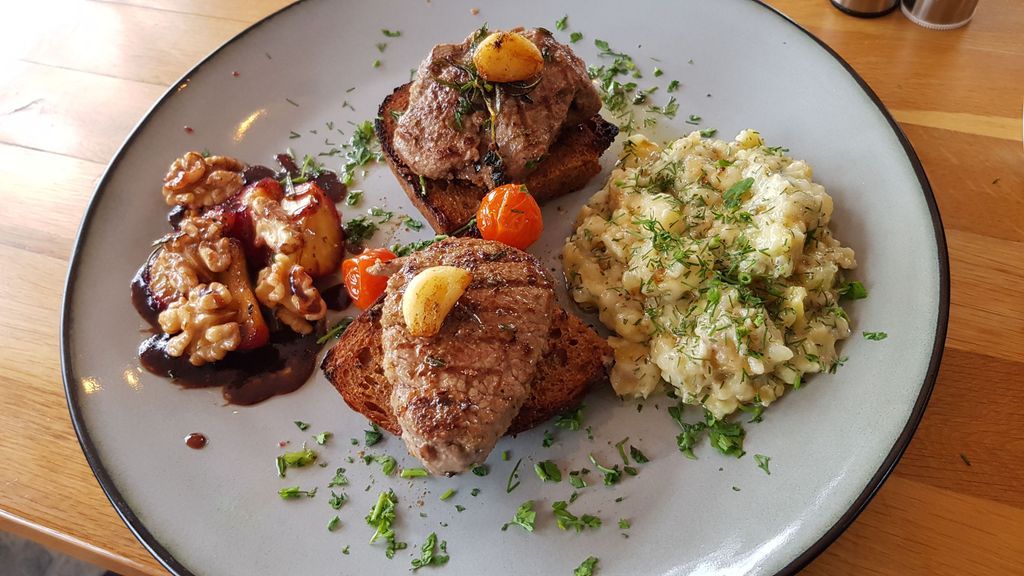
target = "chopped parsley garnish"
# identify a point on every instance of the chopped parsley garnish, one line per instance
(673, 86)
(339, 479)
(391, 33)
(575, 37)
(576, 478)
(657, 72)
(381, 518)
(303, 457)
(416, 246)
(322, 438)
(571, 420)
(875, 335)
(359, 229)
(693, 119)
(381, 47)
(525, 517)
(548, 440)
(638, 456)
(547, 471)
(361, 150)
(428, 557)
(621, 447)
(509, 486)
(586, 568)
(474, 492)
(709, 132)
(387, 463)
(333, 524)
(762, 463)
(336, 331)
(302, 425)
(293, 492)
(460, 508)
(854, 291)
(757, 410)
(562, 22)
(345, 550)
(504, 455)
(611, 475)
(413, 473)
(733, 196)
(372, 436)
(726, 437)
(566, 519)
(411, 223)
(354, 198)
(376, 63)
(624, 524)
(337, 499)
(447, 494)
(481, 470)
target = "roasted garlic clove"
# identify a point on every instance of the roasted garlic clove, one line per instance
(507, 57)
(430, 296)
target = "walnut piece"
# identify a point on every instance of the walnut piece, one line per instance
(204, 325)
(272, 225)
(188, 258)
(288, 290)
(194, 181)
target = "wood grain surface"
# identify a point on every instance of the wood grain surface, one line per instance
(76, 76)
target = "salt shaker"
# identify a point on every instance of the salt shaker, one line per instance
(939, 14)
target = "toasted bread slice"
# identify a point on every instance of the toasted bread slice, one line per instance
(449, 204)
(578, 359)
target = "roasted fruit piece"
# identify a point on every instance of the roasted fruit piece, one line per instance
(317, 218)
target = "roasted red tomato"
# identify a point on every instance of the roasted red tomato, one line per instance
(363, 287)
(510, 215)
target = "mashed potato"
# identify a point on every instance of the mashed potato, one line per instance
(713, 263)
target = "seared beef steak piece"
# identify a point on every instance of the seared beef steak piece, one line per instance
(443, 136)
(455, 393)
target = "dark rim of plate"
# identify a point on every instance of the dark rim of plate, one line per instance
(859, 504)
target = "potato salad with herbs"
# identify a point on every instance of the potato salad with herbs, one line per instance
(714, 265)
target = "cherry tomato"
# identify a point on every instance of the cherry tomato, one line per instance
(510, 215)
(363, 287)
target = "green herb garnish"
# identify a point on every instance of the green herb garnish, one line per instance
(586, 568)
(571, 420)
(548, 440)
(302, 425)
(354, 198)
(566, 519)
(611, 475)
(562, 22)
(525, 517)
(428, 557)
(337, 499)
(854, 291)
(734, 194)
(638, 456)
(322, 438)
(293, 492)
(547, 471)
(762, 463)
(575, 37)
(336, 331)
(372, 436)
(481, 470)
(875, 335)
(413, 473)
(333, 524)
(576, 478)
(381, 518)
(447, 494)
(391, 33)
(509, 486)
(387, 463)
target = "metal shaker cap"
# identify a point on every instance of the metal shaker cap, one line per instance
(939, 14)
(865, 8)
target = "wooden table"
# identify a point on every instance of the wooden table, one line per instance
(76, 75)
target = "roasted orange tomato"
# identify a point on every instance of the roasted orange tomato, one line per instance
(363, 287)
(510, 215)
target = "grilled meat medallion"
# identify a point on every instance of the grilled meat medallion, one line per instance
(455, 393)
(446, 132)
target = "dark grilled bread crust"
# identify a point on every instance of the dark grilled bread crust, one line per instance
(577, 359)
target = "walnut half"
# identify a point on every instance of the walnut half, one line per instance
(204, 325)
(288, 290)
(194, 181)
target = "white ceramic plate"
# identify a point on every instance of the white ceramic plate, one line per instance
(740, 65)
